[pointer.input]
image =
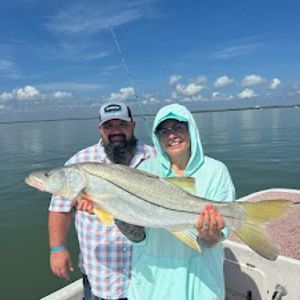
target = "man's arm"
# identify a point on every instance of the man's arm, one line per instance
(58, 225)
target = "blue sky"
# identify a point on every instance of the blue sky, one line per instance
(59, 58)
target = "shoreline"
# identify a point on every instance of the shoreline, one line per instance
(256, 107)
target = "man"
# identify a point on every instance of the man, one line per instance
(105, 254)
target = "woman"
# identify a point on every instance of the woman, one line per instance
(165, 268)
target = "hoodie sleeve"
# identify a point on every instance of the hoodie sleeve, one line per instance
(225, 192)
(219, 183)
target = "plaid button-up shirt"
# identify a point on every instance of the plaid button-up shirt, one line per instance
(105, 254)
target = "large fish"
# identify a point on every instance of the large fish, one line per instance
(139, 198)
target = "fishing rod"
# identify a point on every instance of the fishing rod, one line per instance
(129, 78)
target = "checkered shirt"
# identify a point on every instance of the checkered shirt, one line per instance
(105, 253)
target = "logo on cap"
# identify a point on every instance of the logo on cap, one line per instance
(112, 108)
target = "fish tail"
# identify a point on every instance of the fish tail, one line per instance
(258, 213)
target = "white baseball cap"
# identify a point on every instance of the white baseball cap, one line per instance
(114, 110)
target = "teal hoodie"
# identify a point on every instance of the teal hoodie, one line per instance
(164, 267)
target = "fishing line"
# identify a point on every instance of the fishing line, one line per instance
(129, 78)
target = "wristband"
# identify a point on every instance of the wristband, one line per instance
(58, 248)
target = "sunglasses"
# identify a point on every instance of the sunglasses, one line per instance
(178, 127)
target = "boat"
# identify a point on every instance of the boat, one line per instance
(249, 276)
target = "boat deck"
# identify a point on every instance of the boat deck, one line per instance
(285, 232)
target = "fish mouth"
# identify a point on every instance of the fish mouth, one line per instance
(34, 182)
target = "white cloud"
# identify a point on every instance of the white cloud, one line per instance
(221, 96)
(251, 80)
(174, 79)
(31, 93)
(76, 50)
(275, 83)
(246, 93)
(8, 69)
(147, 98)
(237, 50)
(86, 20)
(6, 65)
(124, 94)
(62, 95)
(174, 95)
(200, 80)
(26, 93)
(98, 15)
(189, 90)
(223, 81)
(6, 96)
(152, 100)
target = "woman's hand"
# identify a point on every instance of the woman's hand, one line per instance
(85, 204)
(209, 226)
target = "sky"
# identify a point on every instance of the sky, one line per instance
(61, 59)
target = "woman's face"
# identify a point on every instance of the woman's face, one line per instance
(174, 138)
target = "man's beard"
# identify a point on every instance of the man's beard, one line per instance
(122, 152)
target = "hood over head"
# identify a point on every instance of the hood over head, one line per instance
(180, 113)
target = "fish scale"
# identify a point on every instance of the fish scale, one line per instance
(149, 187)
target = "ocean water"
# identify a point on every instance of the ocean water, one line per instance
(260, 148)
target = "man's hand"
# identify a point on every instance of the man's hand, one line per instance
(209, 226)
(85, 204)
(61, 264)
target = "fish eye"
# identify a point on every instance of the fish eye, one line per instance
(46, 174)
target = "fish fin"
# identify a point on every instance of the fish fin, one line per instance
(105, 217)
(185, 183)
(266, 210)
(258, 213)
(253, 236)
(189, 237)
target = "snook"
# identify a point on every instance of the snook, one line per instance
(140, 198)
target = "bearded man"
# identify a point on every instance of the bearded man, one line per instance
(105, 253)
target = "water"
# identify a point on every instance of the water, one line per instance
(260, 148)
